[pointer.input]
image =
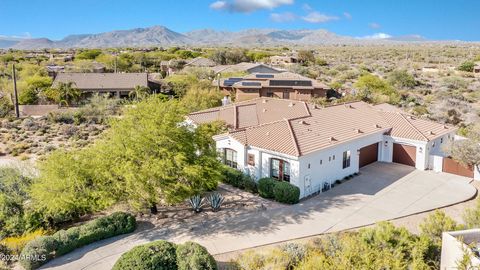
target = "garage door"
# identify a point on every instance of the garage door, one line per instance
(452, 166)
(368, 155)
(404, 154)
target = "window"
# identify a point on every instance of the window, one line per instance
(333, 157)
(286, 95)
(269, 94)
(346, 159)
(251, 159)
(230, 158)
(441, 140)
(321, 161)
(309, 165)
(280, 169)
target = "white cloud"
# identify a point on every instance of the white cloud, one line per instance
(283, 17)
(317, 17)
(246, 6)
(307, 7)
(377, 36)
(347, 15)
(374, 25)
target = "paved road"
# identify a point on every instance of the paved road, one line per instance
(382, 192)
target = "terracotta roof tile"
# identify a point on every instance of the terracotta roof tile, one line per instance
(296, 128)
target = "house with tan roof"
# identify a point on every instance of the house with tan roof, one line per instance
(312, 146)
(285, 85)
(114, 84)
(246, 68)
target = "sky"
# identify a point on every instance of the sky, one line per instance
(432, 19)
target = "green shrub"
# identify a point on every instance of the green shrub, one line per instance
(232, 176)
(192, 256)
(249, 184)
(266, 186)
(158, 255)
(61, 117)
(285, 192)
(44, 248)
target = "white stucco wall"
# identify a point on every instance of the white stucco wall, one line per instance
(455, 244)
(422, 156)
(330, 169)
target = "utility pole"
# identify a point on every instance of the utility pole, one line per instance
(17, 111)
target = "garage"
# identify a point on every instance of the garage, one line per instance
(368, 155)
(454, 167)
(404, 154)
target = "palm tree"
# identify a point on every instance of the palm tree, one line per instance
(140, 92)
(68, 93)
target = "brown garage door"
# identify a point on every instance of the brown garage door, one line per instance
(404, 154)
(368, 155)
(452, 166)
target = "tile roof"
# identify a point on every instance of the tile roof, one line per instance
(244, 66)
(296, 128)
(97, 81)
(252, 112)
(200, 62)
(414, 128)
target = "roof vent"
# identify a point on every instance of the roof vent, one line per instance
(264, 110)
(445, 127)
(377, 126)
(358, 130)
(349, 106)
(268, 133)
(264, 101)
(332, 139)
(431, 133)
(290, 104)
(302, 122)
(411, 117)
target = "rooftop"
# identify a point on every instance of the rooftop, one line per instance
(297, 128)
(98, 81)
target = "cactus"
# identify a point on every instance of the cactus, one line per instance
(216, 201)
(196, 202)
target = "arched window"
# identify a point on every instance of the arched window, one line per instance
(230, 158)
(280, 169)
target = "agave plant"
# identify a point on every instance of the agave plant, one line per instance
(196, 202)
(216, 201)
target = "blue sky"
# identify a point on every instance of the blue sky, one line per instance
(433, 19)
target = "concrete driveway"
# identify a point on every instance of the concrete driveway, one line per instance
(381, 192)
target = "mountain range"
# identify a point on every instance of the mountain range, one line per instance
(163, 37)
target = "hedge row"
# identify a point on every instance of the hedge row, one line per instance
(44, 248)
(161, 255)
(281, 191)
(238, 179)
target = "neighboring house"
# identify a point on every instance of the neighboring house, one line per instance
(283, 60)
(286, 85)
(430, 69)
(245, 67)
(114, 84)
(200, 62)
(456, 244)
(312, 147)
(53, 70)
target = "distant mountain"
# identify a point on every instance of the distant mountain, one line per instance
(162, 36)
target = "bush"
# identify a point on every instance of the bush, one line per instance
(16, 244)
(232, 176)
(285, 192)
(191, 255)
(249, 184)
(238, 179)
(159, 255)
(265, 187)
(44, 248)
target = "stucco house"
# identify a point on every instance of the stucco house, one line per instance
(457, 244)
(286, 85)
(312, 146)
